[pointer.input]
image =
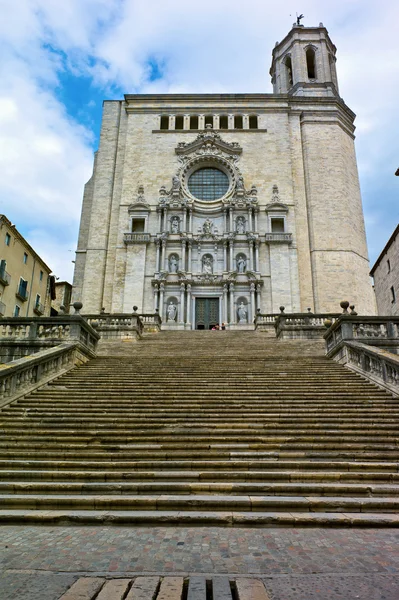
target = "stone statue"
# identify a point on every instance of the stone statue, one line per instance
(241, 263)
(175, 225)
(240, 225)
(173, 263)
(207, 226)
(172, 311)
(240, 183)
(242, 313)
(207, 264)
(175, 183)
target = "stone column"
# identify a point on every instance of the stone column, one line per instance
(225, 306)
(201, 121)
(182, 291)
(250, 219)
(225, 219)
(256, 266)
(252, 292)
(231, 266)
(231, 218)
(250, 250)
(190, 226)
(245, 121)
(155, 291)
(172, 122)
(186, 122)
(188, 318)
(165, 219)
(161, 300)
(231, 121)
(258, 296)
(190, 248)
(165, 256)
(224, 256)
(159, 211)
(158, 260)
(232, 312)
(184, 220)
(183, 255)
(163, 252)
(256, 219)
(216, 122)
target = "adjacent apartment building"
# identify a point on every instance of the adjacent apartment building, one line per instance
(25, 285)
(386, 277)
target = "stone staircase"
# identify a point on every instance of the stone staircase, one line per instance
(227, 428)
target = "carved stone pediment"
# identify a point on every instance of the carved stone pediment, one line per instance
(276, 207)
(209, 143)
(140, 204)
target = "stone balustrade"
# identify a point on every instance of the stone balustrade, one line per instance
(377, 365)
(22, 336)
(117, 325)
(151, 322)
(371, 330)
(278, 238)
(136, 238)
(24, 375)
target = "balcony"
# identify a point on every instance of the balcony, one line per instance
(278, 238)
(2, 309)
(137, 238)
(5, 277)
(38, 309)
(22, 293)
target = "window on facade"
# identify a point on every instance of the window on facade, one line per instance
(311, 63)
(277, 225)
(223, 122)
(22, 288)
(37, 301)
(8, 239)
(25, 258)
(164, 122)
(193, 122)
(138, 225)
(209, 120)
(41, 276)
(288, 70)
(253, 122)
(17, 310)
(393, 295)
(238, 122)
(208, 184)
(389, 265)
(179, 122)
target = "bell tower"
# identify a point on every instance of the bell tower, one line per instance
(304, 63)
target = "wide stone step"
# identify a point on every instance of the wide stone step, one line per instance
(201, 502)
(184, 488)
(231, 476)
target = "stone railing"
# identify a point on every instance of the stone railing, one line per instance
(136, 238)
(266, 323)
(22, 336)
(26, 374)
(116, 326)
(151, 322)
(303, 325)
(278, 238)
(374, 331)
(377, 365)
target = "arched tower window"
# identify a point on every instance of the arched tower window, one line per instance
(194, 122)
(224, 122)
(238, 123)
(179, 123)
(288, 71)
(208, 120)
(253, 121)
(311, 62)
(164, 122)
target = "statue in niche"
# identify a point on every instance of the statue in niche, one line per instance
(242, 313)
(207, 264)
(172, 311)
(241, 263)
(240, 225)
(207, 226)
(175, 225)
(173, 263)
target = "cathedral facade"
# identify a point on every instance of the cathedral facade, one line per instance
(210, 207)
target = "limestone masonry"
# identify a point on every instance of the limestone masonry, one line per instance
(209, 207)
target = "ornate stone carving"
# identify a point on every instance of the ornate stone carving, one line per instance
(175, 225)
(240, 224)
(207, 227)
(171, 311)
(241, 263)
(242, 313)
(140, 202)
(173, 263)
(207, 264)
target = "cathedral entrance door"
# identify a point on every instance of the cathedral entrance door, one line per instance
(206, 313)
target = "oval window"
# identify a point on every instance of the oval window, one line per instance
(208, 184)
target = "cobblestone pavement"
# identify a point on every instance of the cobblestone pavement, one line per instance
(302, 564)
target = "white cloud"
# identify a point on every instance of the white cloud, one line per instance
(224, 46)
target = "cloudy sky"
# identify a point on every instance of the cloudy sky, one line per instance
(61, 58)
